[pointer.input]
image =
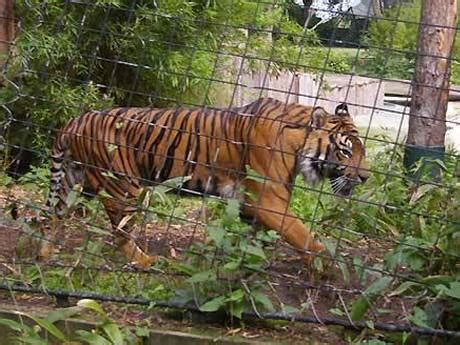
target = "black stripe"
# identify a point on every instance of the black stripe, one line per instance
(120, 111)
(188, 148)
(152, 149)
(58, 160)
(170, 156)
(197, 124)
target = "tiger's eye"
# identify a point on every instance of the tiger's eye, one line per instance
(346, 153)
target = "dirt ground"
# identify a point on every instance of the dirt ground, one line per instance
(290, 283)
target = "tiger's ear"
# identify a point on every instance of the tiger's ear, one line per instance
(318, 117)
(342, 110)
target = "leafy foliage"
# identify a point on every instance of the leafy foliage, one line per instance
(228, 272)
(392, 42)
(105, 331)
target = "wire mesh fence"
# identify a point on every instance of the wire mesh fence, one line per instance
(237, 156)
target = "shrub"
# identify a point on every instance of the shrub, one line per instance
(392, 42)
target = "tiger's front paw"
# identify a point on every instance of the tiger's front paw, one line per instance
(143, 263)
(313, 248)
(316, 247)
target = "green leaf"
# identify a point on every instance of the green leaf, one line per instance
(237, 309)
(453, 290)
(176, 182)
(169, 185)
(62, 314)
(92, 338)
(99, 231)
(374, 342)
(318, 264)
(370, 324)
(420, 192)
(358, 265)
(103, 193)
(113, 333)
(441, 164)
(92, 305)
(330, 247)
(416, 262)
(232, 265)
(434, 311)
(419, 317)
(111, 147)
(336, 311)
(72, 197)
(31, 339)
(345, 274)
(251, 174)
(183, 268)
(213, 304)
(257, 251)
(14, 325)
(359, 308)
(200, 277)
(377, 287)
(232, 212)
(142, 332)
(236, 295)
(289, 309)
(403, 288)
(50, 328)
(216, 234)
(109, 174)
(263, 300)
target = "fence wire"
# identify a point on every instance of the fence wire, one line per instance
(391, 249)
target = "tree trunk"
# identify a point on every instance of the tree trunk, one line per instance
(430, 93)
(377, 8)
(6, 28)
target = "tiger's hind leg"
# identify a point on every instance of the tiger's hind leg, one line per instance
(120, 217)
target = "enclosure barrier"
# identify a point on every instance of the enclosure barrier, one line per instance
(210, 158)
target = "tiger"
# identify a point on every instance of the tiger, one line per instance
(122, 150)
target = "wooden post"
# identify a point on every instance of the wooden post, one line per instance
(430, 93)
(6, 28)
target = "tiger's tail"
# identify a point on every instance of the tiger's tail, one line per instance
(54, 205)
(57, 176)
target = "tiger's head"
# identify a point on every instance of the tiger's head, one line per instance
(333, 150)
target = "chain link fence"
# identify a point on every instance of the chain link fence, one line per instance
(207, 186)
